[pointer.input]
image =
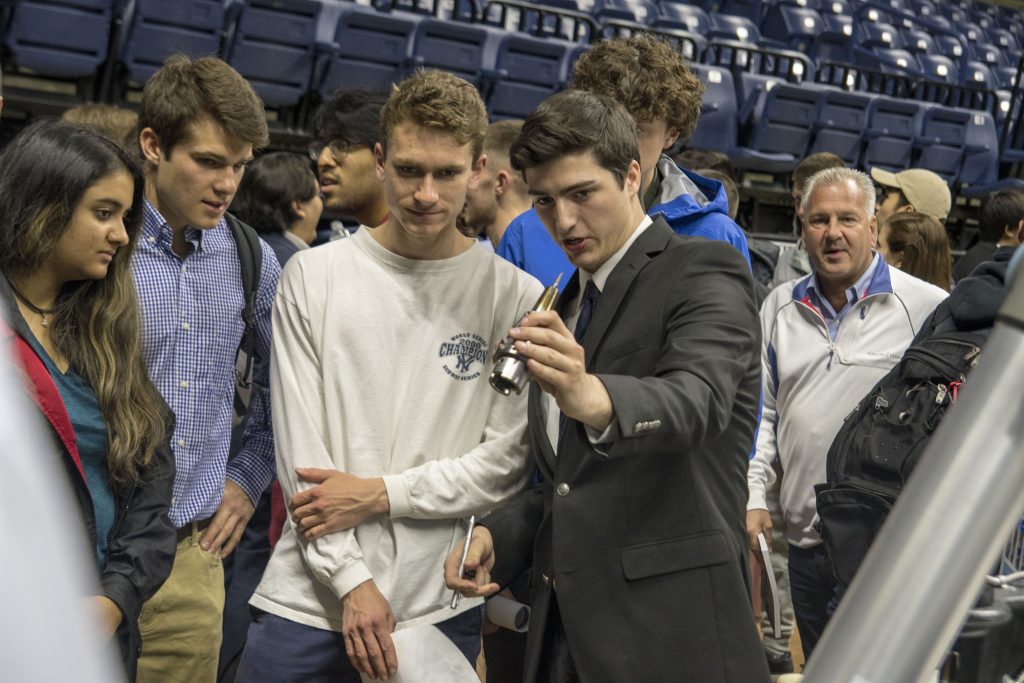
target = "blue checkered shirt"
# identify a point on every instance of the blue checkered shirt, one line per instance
(191, 328)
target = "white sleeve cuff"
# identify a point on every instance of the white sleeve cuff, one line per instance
(398, 495)
(344, 580)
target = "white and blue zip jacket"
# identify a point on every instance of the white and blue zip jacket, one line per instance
(816, 370)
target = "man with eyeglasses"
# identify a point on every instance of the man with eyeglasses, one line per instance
(346, 128)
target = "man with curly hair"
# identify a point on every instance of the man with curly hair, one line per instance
(663, 96)
(388, 431)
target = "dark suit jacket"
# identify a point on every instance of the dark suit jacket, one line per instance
(645, 546)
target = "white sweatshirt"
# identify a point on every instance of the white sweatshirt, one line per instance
(812, 382)
(379, 368)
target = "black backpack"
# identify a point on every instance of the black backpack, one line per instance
(250, 259)
(881, 441)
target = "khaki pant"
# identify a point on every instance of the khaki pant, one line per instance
(181, 625)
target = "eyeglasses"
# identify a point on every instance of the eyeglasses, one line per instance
(339, 148)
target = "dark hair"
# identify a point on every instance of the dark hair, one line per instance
(647, 76)
(269, 186)
(1001, 210)
(574, 122)
(44, 174)
(183, 90)
(708, 159)
(352, 116)
(810, 165)
(924, 246)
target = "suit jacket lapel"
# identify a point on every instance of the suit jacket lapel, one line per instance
(650, 243)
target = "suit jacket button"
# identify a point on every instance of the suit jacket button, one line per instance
(563, 489)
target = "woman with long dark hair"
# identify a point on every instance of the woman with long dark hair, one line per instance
(70, 215)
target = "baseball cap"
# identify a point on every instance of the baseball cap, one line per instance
(927, 192)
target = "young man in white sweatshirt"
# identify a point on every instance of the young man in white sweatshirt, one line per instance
(389, 434)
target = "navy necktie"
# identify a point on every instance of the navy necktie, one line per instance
(591, 295)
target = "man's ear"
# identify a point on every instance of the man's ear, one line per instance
(671, 136)
(477, 171)
(633, 175)
(1020, 231)
(149, 144)
(905, 208)
(873, 227)
(298, 210)
(378, 156)
(502, 181)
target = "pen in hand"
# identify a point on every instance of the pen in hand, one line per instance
(456, 595)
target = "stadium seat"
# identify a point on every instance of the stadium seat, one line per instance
(717, 127)
(919, 42)
(939, 146)
(466, 50)
(739, 29)
(747, 9)
(840, 123)
(781, 125)
(154, 29)
(835, 41)
(527, 70)
(791, 27)
(980, 167)
(890, 133)
(687, 17)
(66, 40)
(371, 50)
(638, 11)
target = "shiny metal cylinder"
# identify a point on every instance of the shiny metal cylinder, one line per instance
(509, 373)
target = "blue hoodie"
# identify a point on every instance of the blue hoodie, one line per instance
(684, 202)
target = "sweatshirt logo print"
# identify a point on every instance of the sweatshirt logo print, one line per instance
(461, 353)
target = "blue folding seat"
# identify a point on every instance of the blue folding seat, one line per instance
(938, 68)
(951, 46)
(988, 54)
(835, 42)
(727, 27)
(791, 27)
(919, 42)
(840, 7)
(781, 126)
(717, 127)
(748, 9)
(371, 50)
(877, 34)
(978, 74)
(65, 40)
(470, 11)
(893, 125)
(839, 126)
(527, 70)
(803, 4)
(556, 18)
(687, 17)
(980, 166)
(939, 146)
(155, 29)
(638, 11)
(464, 49)
(273, 45)
(871, 14)
(1004, 39)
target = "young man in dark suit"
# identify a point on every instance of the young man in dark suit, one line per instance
(641, 422)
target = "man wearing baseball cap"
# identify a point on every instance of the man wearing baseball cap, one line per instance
(915, 189)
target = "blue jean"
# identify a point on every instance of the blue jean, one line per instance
(283, 651)
(812, 586)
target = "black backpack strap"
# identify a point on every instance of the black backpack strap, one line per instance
(250, 260)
